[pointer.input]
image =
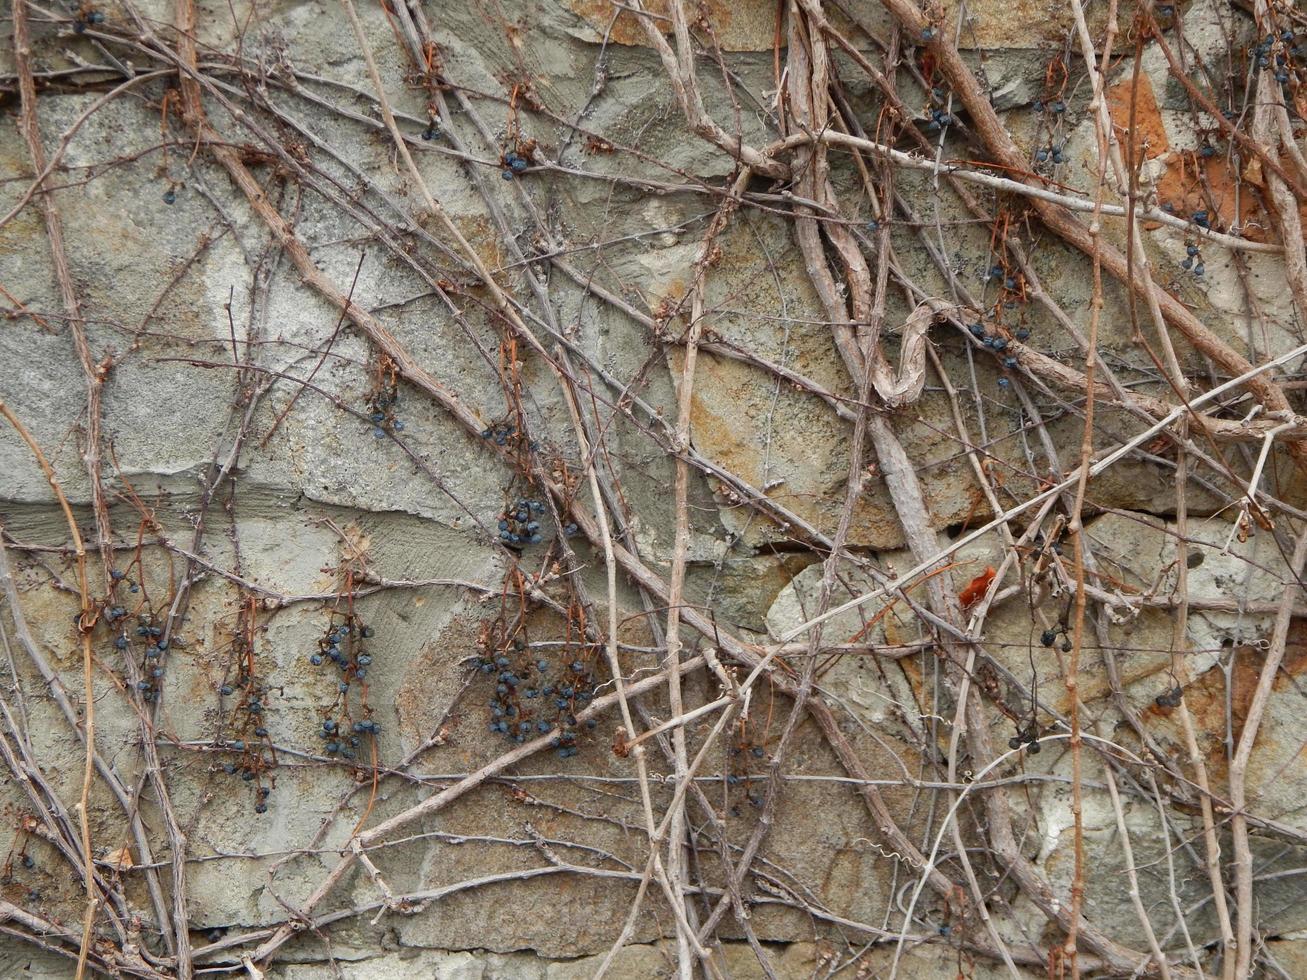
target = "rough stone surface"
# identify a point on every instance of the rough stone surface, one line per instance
(214, 355)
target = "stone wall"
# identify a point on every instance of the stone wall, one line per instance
(383, 459)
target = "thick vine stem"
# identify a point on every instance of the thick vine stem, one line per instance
(741, 436)
(998, 141)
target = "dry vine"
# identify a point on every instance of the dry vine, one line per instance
(875, 153)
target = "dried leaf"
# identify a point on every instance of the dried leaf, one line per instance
(977, 587)
(1253, 172)
(120, 858)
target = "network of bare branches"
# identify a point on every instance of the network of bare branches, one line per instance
(806, 472)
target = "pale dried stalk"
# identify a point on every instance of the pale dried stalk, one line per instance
(1106, 146)
(676, 863)
(1243, 855)
(444, 798)
(54, 233)
(809, 82)
(980, 178)
(906, 578)
(1107, 133)
(86, 623)
(1132, 874)
(654, 866)
(679, 65)
(1003, 147)
(1180, 644)
(1271, 131)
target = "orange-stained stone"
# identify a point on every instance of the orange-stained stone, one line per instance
(1182, 184)
(1182, 188)
(1149, 133)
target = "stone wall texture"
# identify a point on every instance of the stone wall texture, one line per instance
(563, 488)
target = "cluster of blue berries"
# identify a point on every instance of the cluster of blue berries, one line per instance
(500, 433)
(996, 273)
(118, 576)
(1011, 284)
(536, 697)
(741, 755)
(937, 117)
(247, 719)
(1170, 698)
(433, 131)
(999, 345)
(345, 739)
(937, 120)
(156, 646)
(382, 414)
(514, 164)
(250, 764)
(252, 707)
(1193, 260)
(1262, 56)
(520, 524)
(1056, 106)
(343, 644)
(1053, 153)
(1029, 736)
(249, 773)
(1049, 637)
(86, 20)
